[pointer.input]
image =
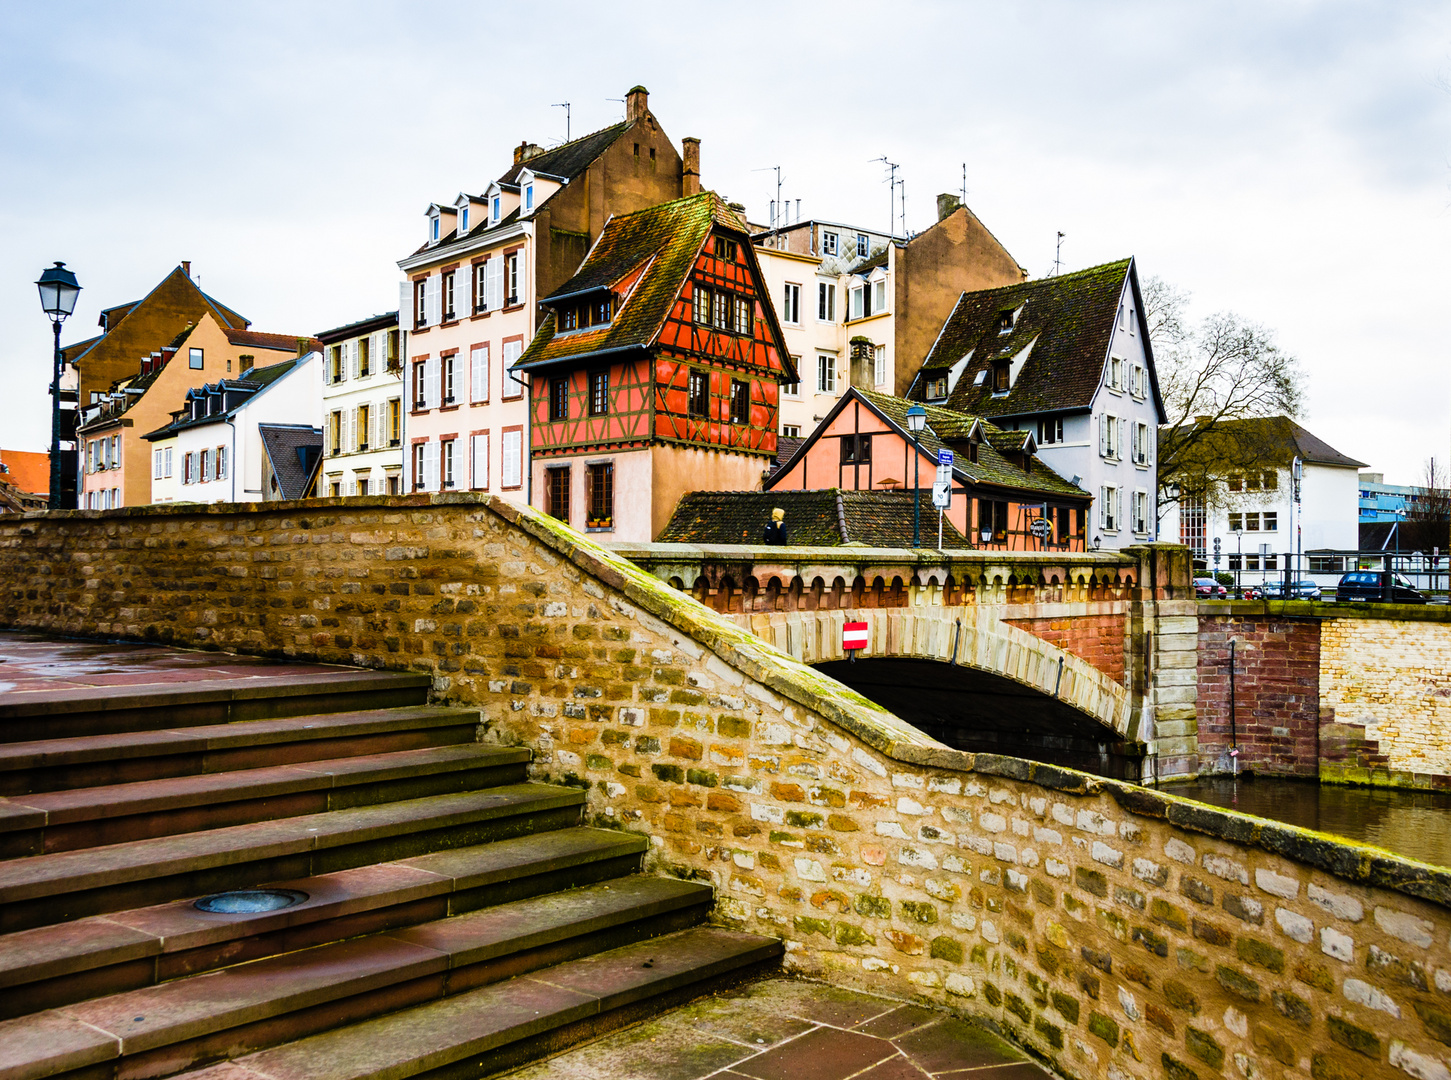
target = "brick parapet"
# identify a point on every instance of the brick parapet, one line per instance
(1121, 933)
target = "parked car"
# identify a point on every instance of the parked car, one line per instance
(1374, 586)
(1206, 588)
(1305, 589)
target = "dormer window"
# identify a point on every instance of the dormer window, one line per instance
(828, 242)
(973, 441)
(1005, 322)
(529, 197)
(597, 311)
(494, 206)
(937, 388)
(863, 245)
(433, 228)
(1002, 377)
(726, 250)
(463, 219)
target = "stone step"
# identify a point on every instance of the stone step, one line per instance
(161, 1030)
(58, 714)
(60, 964)
(93, 817)
(60, 887)
(125, 757)
(503, 1025)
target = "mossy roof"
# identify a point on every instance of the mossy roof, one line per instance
(665, 240)
(829, 517)
(1069, 321)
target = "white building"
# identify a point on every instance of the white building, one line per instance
(362, 408)
(861, 308)
(1248, 504)
(1067, 358)
(212, 450)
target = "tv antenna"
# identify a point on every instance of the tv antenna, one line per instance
(964, 183)
(891, 190)
(777, 207)
(903, 185)
(619, 99)
(565, 106)
(1058, 256)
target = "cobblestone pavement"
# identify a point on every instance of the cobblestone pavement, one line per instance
(785, 1029)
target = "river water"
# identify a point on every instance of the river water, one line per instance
(1416, 824)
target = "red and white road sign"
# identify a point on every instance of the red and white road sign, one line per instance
(853, 635)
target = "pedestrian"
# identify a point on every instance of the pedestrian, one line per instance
(776, 529)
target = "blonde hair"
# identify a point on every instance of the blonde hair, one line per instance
(778, 514)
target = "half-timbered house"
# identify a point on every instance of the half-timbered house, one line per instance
(655, 371)
(1000, 487)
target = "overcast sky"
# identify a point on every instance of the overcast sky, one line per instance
(1288, 161)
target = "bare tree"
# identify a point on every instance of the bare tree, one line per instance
(1427, 523)
(1223, 369)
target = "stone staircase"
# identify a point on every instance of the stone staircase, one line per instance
(440, 915)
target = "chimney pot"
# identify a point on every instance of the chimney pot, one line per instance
(946, 205)
(689, 166)
(637, 103)
(861, 361)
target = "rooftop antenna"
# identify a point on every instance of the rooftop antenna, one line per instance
(565, 106)
(892, 192)
(619, 99)
(777, 208)
(903, 185)
(1058, 256)
(964, 183)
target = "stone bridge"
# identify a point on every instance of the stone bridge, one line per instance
(1086, 662)
(1118, 932)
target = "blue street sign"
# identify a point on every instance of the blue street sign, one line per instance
(944, 457)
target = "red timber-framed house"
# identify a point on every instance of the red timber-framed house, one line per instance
(656, 371)
(1000, 487)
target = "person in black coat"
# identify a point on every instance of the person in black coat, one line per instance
(775, 532)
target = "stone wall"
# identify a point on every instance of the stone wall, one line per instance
(1391, 678)
(1276, 691)
(1118, 932)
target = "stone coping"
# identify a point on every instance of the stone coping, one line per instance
(1320, 609)
(849, 553)
(864, 719)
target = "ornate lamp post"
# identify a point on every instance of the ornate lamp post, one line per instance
(58, 291)
(916, 420)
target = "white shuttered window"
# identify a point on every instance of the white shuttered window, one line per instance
(479, 373)
(510, 474)
(479, 462)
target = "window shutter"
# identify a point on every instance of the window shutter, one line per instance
(433, 299)
(1122, 432)
(1102, 436)
(496, 283)
(430, 466)
(478, 374)
(479, 469)
(1102, 506)
(1118, 508)
(431, 383)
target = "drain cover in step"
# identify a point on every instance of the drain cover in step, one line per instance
(250, 901)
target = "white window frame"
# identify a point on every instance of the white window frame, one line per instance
(479, 373)
(1136, 381)
(1108, 437)
(1108, 508)
(857, 296)
(879, 366)
(528, 196)
(514, 452)
(166, 467)
(1141, 443)
(1116, 374)
(1141, 512)
(863, 245)
(463, 219)
(826, 301)
(825, 373)
(879, 296)
(830, 242)
(791, 304)
(494, 204)
(479, 461)
(791, 431)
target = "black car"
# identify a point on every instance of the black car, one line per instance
(1206, 588)
(1376, 586)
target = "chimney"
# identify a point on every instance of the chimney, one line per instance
(689, 167)
(861, 360)
(186, 267)
(946, 204)
(637, 103)
(526, 150)
(244, 363)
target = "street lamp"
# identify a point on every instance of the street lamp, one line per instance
(916, 420)
(58, 291)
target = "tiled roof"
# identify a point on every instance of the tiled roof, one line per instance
(669, 237)
(571, 159)
(29, 470)
(828, 517)
(257, 380)
(1265, 440)
(294, 451)
(256, 338)
(1069, 321)
(948, 429)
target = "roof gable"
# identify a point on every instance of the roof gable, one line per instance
(1069, 323)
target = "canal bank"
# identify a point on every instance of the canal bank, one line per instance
(1415, 824)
